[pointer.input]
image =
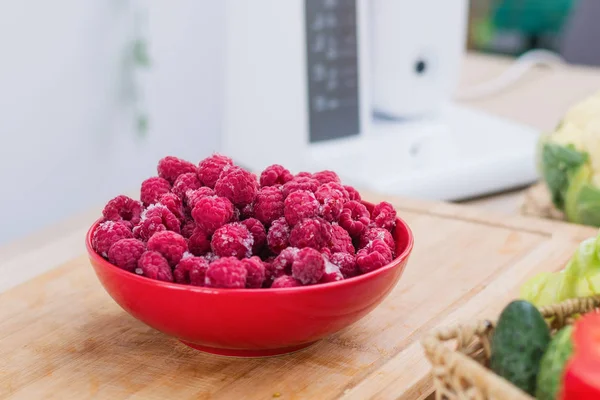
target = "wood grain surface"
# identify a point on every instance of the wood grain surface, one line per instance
(62, 336)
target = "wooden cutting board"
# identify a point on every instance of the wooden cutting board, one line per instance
(62, 336)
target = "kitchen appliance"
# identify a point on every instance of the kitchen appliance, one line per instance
(364, 88)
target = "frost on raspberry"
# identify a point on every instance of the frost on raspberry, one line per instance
(227, 272)
(191, 271)
(238, 185)
(156, 218)
(232, 240)
(278, 235)
(171, 167)
(282, 264)
(125, 253)
(311, 232)
(300, 183)
(352, 193)
(384, 215)
(354, 218)
(247, 211)
(210, 213)
(300, 205)
(275, 175)
(123, 209)
(308, 266)
(375, 233)
(332, 273)
(259, 234)
(346, 262)
(326, 177)
(341, 240)
(108, 233)
(152, 189)
(255, 272)
(154, 266)
(192, 196)
(331, 200)
(199, 243)
(170, 244)
(174, 204)
(285, 281)
(374, 256)
(269, 205)
(185, 182)
(209, 169)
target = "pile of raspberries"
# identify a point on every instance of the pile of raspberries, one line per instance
(218, 225)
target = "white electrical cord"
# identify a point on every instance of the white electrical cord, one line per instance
(515, 72)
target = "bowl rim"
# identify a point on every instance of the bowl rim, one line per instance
(400, 259)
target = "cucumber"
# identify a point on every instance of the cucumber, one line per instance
(519, 341)
(553, 364)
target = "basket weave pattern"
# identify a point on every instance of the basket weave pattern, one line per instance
(460, 355)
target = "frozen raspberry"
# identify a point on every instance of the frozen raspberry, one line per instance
(326, 177)
(232, 240)
(300, 183)
(354, 218)
(259, 234)
(210, 213)
(332, 273)
(171, 167)
(238, 185)
(309, 266)
(275, 175)
(255, 270)
(374, 233)
(209, 169)
(152, 189)
(268, 205)
(341, 240)
(285, 281)
(170, 244)
(384, 215)
(188, 228)
(352, 193)
(346, 262)
(374, 256)
(125, 253)
(199, 243)
(311, 232)
(156, 218)
(107, 234)
(278, 236)
(299, 205)
(192, 196)
(191, 271)
(332, 200)
(173, 203)
(227, 272)
(303, 174)
(282, 264)
(185, 182)
(154, 266)
(123, 209)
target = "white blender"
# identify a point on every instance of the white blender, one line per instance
(364, 88)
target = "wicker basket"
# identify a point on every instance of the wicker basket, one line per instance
(460, 371)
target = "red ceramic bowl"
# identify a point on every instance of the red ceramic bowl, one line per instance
(251, 322)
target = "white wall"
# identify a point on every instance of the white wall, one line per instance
(66, 131)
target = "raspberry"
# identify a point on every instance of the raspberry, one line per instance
(154, 266)
(282, 264)
(332, 273)
(171, 167)
(258, 232)
(192, 196)
(346, 262)
(354, 218)
(123, 209)
(255, 272)
(199, 243)
(107, 234)
(210, 169)
(332, 200)
(247, 212)
(238, 185)
(300, 183)
(384, 215)
(275, 175)
(278, 236)
(188, 228)
(191, 271)
(170, 244)
(299, 205)
(309, 266)
(341, 240)
(227, 272)
(374, 256)
(173, 203)
(374, 233)
(312, 232)
(210, 213)
(125, 253)
(352, 193)
(232, 240)
(285, 281)
(185, 182)
(152, 189)
(326, 177)
(268, 205)
(156, 218)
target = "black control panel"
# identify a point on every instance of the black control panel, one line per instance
(332, 68)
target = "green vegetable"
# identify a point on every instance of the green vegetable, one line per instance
(519, 341)
(553, 364)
